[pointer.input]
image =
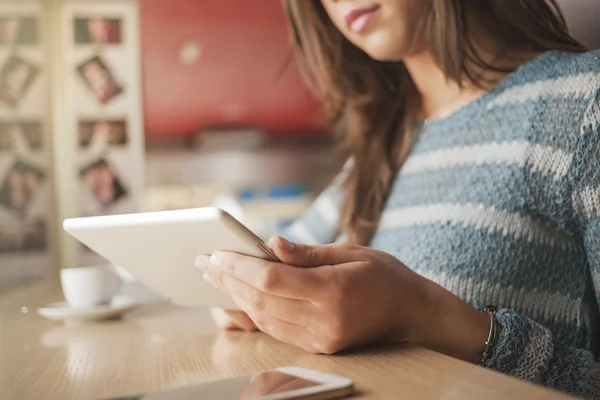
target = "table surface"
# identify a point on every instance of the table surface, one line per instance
(160, 346)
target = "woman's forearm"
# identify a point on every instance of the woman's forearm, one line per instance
(451, 326)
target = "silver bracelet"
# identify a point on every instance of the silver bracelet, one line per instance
(486, 350)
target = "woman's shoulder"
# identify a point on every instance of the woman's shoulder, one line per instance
(564, 82)
(551, 77)
(588, 61)
(556, 72)
(558, 93)
(563, 64)
(581, 71)
(574, 77)
(570, 83)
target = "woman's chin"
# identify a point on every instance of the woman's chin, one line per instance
(383, 50)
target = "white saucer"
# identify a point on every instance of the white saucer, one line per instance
(62, 312)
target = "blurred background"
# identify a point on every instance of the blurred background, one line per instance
(117, 106)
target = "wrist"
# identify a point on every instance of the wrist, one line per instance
(451, 326)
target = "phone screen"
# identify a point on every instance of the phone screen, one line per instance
(239, 388)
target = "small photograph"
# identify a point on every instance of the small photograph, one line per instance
(103, 182)
(18, 30)
(31, 236)
(16, 78)
(99, 79)
(20, 136)
(111, 133)
(21, 184)
(97, 30)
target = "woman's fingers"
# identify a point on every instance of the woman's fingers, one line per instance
(256, 302)
(233, 320)
(287, 332)
(268, 277)
(307, 256)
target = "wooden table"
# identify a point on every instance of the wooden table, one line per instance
(161, 346)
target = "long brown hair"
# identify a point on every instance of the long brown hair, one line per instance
(373, 103)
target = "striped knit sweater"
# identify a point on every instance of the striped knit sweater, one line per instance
(500, 204)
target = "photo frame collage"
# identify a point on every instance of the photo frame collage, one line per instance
(103, 55)
(23, 149)
(100, 138)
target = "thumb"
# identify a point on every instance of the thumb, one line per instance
(307, 256)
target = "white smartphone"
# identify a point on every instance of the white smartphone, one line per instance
(278, 384)
(159, 249)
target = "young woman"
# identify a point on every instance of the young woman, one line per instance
(473, 133)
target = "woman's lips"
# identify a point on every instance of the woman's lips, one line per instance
(358, 20)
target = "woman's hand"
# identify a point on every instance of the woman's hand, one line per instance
(324, 299)
(233, 320)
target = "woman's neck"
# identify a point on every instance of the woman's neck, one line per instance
(441, 96)
(435, 89)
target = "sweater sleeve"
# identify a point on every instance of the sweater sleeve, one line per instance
(528, 350)
(318, 224)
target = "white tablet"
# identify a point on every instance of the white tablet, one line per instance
(159, 248)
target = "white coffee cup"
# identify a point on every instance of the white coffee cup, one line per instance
(89, 286)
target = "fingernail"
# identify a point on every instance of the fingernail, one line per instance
(215, 260)
(200, 263)
(289, 246)
(210, 280)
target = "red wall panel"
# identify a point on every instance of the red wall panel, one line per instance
(244, 45)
